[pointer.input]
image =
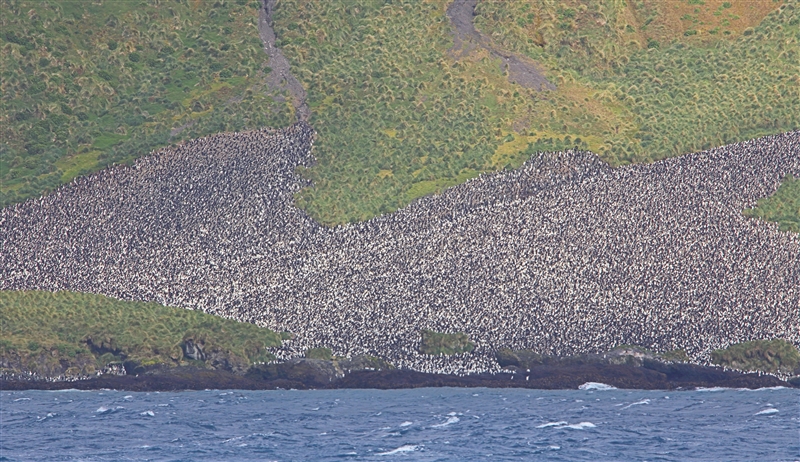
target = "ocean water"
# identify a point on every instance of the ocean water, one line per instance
(422, 424)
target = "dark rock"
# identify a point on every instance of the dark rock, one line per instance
(312, 372)
(192, 350)
(364, 363)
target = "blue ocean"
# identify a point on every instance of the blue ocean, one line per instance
(421, 424)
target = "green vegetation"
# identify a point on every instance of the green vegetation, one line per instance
(678, 355)
(436, 343)
(319, 353)
(399, 117)
(783, 207)
(671, 92)
(88, 84)
(759, 355)
(68, 324)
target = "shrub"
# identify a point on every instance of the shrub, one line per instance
(773, 356)
(319, 353)
(437, 343)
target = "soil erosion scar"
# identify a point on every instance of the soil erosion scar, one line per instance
(521, 70)
(281, 77)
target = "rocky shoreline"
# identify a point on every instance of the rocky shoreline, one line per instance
(620, 371)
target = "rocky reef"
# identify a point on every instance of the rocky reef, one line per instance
(623, 367)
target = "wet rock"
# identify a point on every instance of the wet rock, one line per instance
(192, 350)
(314, 372)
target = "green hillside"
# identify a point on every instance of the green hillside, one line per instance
(783, 207)
(673, 92)
(64, 325)
(87, 84)
(398, 112)
(400, 117)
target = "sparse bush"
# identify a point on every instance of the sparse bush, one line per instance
(437, 343)
(759, 355)
(319, 353)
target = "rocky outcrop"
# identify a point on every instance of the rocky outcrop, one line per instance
(317, 372)
(520, 69)
(192, 350)
(624, 355)
(280, 78)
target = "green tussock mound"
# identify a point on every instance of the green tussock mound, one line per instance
(437, 343)
(759, 355)
(319, 353)
(66, 325)
(88, 84)
(783, 207)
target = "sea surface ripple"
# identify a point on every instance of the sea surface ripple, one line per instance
(419, 424)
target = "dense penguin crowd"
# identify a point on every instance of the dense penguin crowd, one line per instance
(563, 255)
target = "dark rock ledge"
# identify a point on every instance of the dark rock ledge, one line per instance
(621, 370)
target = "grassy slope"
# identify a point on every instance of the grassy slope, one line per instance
(438, 343)
(33, 321)
(774, 355)
(86, 84)
(783, 207)
(677, 86)
(399, 118)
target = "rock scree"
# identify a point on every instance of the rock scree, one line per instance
(281, 77)
(521, 70)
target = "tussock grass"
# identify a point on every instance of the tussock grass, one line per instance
(671, 93)
(438, 343)
(775, 356)
(399, 116)
(148, 333)
(88, 84)
(783, 207)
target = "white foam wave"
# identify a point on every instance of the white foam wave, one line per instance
(401, 449)
(553, 424)
(103, 409)
(406, 423)
(450, 420)
(148, 413)
(580, 426)
(637, 403)
(22, 399)
(596, 386)
(565, 424)
(768, 411)
(739, 389)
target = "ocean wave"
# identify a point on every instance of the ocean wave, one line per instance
(596, 386)
(553, 424)
(768, 411)
(637, 403)
(106, 410)
(580, 426)
(564, 424)
(450, 420)
(401, 449)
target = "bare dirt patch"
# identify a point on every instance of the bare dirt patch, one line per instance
(521, 70)
(281, 78)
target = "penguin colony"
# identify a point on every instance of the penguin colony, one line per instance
(564, 255)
